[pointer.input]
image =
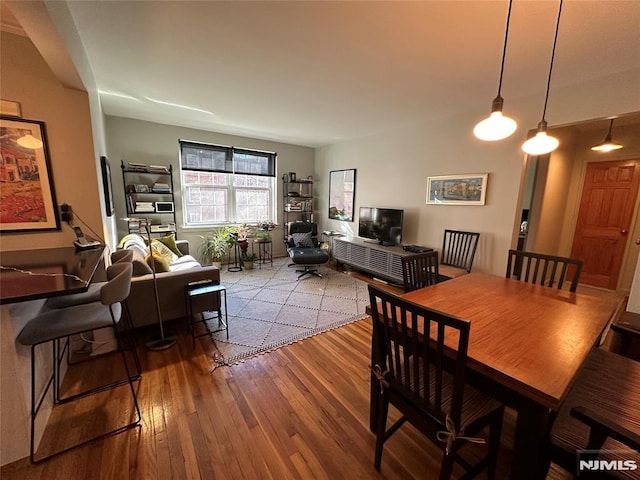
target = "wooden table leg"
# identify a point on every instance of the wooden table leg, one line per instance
(529, 443)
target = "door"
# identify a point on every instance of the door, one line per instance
(602, 230)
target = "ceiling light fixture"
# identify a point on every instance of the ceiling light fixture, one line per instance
(543, 143)
(497, 126)
(29, 141)
(607, 145)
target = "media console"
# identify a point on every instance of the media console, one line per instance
(383, 262)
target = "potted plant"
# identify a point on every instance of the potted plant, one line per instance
(262, 235)
(215, 246)
(248, 259)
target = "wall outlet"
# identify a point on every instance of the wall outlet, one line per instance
(66, 213)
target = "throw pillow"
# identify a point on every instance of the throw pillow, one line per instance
(161, 264)
(170, 242)
(164, 251)
(302, 240)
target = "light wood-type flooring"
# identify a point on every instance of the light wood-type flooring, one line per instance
(300, 412)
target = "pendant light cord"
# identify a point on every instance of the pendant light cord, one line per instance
(504, 49)
(553, 54)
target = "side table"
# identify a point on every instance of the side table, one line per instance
(201, 297)
(265, 252)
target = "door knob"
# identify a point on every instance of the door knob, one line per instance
(637, 241)
(623, 231)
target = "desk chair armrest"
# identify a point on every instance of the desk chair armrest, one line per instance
(603, 427)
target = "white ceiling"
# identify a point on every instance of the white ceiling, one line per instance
(315, 73)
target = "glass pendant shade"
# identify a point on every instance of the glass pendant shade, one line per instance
(541, 143)
(607, 145)
(495, 127)
(29, 141)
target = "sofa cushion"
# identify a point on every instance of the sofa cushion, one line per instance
(170, 242)
(186, 262)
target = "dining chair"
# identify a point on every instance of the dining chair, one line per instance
(420, 270)
(625, 333)
(458, 253)
(410, 375)
(600, 418)
(59, 324)
(547, 270)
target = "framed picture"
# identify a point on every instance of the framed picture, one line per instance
(342, 192)
(467, 189)
(106, 185)
(28, 197)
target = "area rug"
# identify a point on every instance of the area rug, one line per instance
(269, 307)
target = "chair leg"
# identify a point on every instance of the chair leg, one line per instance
(495, 431)
(446, 467)
(308, 271)
(381, 425)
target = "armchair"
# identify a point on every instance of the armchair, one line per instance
(304, 250)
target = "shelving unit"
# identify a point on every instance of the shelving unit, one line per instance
(148, 195)
(297, 201)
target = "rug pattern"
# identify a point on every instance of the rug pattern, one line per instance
(269, 307)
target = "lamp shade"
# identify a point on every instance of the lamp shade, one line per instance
(29, 141)
(540, 144)
(607, 145)
(495, 127)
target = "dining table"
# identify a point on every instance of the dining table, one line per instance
(527, 343)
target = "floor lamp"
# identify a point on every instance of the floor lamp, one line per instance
(163, 342)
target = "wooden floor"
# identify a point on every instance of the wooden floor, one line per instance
(300, 412)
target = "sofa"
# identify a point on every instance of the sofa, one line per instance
(171, 283)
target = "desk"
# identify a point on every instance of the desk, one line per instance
(53, 272)
(526, 346)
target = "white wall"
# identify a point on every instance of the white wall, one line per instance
(392, 168)
(26, 78)
(153, 143)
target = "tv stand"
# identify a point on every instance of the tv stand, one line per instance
(382, 261)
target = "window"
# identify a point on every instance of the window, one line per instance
(222, 185)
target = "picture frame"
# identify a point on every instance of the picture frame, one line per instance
(467, 189)
(106, 186)
(342, 192)
(28, 194)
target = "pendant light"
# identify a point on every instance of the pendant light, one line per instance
(543, 143)
(607, 145)
(497, 126)
(29, 141)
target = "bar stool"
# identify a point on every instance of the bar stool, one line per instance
(61, 323)
(93, 294)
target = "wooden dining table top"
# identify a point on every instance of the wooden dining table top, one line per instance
(529, 338)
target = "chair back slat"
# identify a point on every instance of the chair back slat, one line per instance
(420, 270)
(542, 269)
(413, 362)
(459, 248)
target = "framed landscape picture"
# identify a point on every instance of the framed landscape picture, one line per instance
(28, 201)
(469, 189)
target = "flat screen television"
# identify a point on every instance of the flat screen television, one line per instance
(381, 224)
